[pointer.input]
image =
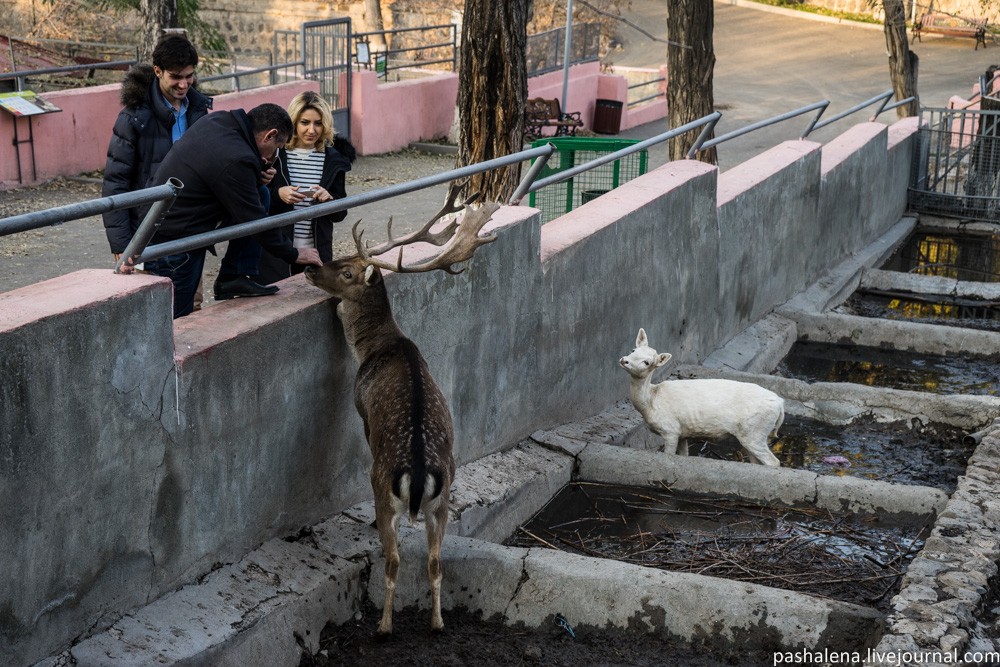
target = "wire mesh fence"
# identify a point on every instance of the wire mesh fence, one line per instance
(560, 198)
(956, 164)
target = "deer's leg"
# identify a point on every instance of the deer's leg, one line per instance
(760, 452)
(388, 521)
(435, 518)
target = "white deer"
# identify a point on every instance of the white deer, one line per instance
(679, 409)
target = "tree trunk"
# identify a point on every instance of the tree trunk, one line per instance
(156, 15)
(492, 90)
(902, 61)
(690, 67)
(373, 17)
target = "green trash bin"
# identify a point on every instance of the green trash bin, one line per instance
(561, 198)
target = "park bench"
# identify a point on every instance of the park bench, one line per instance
(952, 26)
(540, 113)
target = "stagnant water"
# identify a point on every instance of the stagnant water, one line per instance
(937, 374)
(922, 454)
(932, 252)
(854, 558)
(926, 308)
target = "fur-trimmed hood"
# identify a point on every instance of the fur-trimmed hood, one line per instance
(138, 83)
(345, 148)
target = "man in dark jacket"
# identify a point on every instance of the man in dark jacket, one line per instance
(160, 103)
(219, 161)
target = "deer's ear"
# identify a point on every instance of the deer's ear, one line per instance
(641, 340)
(371, 275)
(662, 359)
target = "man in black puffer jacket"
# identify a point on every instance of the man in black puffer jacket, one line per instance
(160, 103)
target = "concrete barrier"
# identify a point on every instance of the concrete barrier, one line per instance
(134, 455)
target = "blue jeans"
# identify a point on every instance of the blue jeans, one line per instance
(184, 270)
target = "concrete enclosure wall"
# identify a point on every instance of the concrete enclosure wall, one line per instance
(136, 453)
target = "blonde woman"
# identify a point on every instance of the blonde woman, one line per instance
(312, 168)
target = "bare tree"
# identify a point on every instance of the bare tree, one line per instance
(690, 70)
(902, 61)
(156, 16)
(492, 90)
(373, 16)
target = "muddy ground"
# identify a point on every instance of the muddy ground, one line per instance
(468, 639)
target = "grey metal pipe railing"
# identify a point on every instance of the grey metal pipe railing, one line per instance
(250, 72)
(701, 145)
(148, 226)
(66, 68)
(654, 96)
(61, 214)
(883, 98)
(256, 226)
(708, 122)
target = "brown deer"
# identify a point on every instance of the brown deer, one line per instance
(406, 418)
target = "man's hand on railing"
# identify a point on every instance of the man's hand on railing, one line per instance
(127, 267)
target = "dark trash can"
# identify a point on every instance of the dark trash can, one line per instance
(591, 195)
(607, 116)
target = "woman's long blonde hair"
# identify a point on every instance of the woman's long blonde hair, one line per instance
(311, 100)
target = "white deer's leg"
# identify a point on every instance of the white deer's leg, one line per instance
(682, 447)
(435, 517)
(387, 522)
(760, 452)
(672, 443)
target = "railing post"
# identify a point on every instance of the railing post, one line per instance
(148, 226)
(529, 178)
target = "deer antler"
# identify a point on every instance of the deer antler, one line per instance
(459, 238)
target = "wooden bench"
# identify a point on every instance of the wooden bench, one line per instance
(540, 113)
(952, 26)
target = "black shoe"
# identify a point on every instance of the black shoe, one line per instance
(230, 288)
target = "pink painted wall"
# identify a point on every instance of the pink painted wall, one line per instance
(390, 116)
(76, 139)
(384, 117)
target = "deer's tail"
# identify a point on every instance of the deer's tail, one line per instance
(417, 487)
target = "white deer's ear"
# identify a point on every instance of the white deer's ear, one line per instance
(641, 340)
(662, 359)
(371, 275)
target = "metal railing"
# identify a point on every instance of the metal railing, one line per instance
(140, 253)
(396, 57)
(655, 96)
(161, 194)
(274, 78)
(545, 51)
(21, 75)
(819, 107)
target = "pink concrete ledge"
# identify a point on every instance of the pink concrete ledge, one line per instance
(203, 330)
(71, 293)
(848, 144)
(607, 210)
(902, 130)
(758, 169)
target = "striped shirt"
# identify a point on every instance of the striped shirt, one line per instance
(305, 168)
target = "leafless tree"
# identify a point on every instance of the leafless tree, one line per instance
(373, 16)
(690, 70)
(156, 15)
(902, 61)
(492, 90)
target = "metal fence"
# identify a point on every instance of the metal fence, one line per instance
(956, 164)
(544, 50)
(427, 47)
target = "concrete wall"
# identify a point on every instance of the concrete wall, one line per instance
(136, 453)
